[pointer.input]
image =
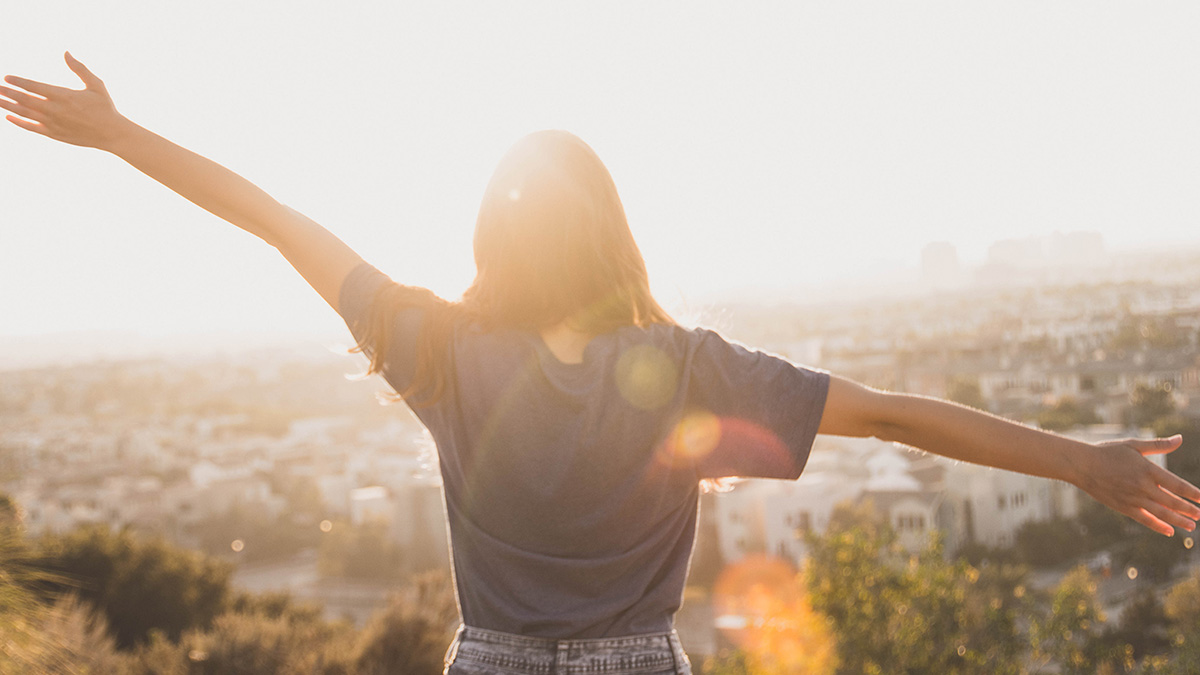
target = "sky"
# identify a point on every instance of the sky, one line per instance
(782, 146)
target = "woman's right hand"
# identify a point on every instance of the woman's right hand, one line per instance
(85, 117)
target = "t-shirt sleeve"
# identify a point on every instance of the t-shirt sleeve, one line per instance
(751, 414)
(358, 298)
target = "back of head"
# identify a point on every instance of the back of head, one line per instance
(552, 243)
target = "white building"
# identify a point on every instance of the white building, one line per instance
(996, 503)
(368, 504)
(916, 492)
(774, 516)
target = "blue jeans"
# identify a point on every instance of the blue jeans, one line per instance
(486, 652)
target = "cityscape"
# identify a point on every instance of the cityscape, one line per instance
(281, 464)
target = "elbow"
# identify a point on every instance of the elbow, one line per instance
(886, 419)
(887, 432)
(858, 411)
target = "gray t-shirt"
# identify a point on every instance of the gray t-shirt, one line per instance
(572, 489)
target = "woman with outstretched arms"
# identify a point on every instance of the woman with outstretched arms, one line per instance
(575, 420)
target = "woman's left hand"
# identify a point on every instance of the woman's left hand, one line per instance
(1118, 475)
(85, 117)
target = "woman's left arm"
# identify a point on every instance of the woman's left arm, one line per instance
(88, 118)
(1115, 473)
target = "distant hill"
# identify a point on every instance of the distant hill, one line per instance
(32, 351)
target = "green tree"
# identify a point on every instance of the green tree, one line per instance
(898, 613)
(1102, 526)
(1143, 629)
(966, 391)
(1148, 404)
(1184, 461)
(1182, 607)
(1136, 332)
(1067, 413)
(1151, 554)
(139, 584)
(1067, 635)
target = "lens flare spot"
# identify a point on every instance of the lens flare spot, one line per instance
(646, 377)
(1188, 542)
(762, 606)
(1131, 572)
(326, 526)
(694, 437)
(962, 650)
(237, 545)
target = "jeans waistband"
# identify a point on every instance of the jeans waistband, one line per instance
(653, 652)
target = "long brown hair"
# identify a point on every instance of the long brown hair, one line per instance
(552, 245)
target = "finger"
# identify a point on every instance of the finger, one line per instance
(26, 124)
(1175, 484)
(1146, 518)
(89, 79)
(21, 110)
(1168, 516)
(1175, 503)
(1155, 446)
(40, 88)
(24, 99)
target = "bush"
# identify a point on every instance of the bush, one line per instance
(139, 585)
(252, 644)
(412, 633)
(67, 637)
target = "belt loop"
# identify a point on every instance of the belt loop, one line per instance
(563, 651)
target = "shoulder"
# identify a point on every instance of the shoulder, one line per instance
(708, 343)
(686, 344)
(367, 290)
(672, 335)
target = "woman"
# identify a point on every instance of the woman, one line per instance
(574, 419)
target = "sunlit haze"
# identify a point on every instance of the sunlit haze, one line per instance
(783, 149)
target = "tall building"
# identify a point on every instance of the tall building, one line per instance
(940, 267)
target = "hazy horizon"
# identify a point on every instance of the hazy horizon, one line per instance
(83, 345)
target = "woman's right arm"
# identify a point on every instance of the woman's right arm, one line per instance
(88, 118)
(1115, 473)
